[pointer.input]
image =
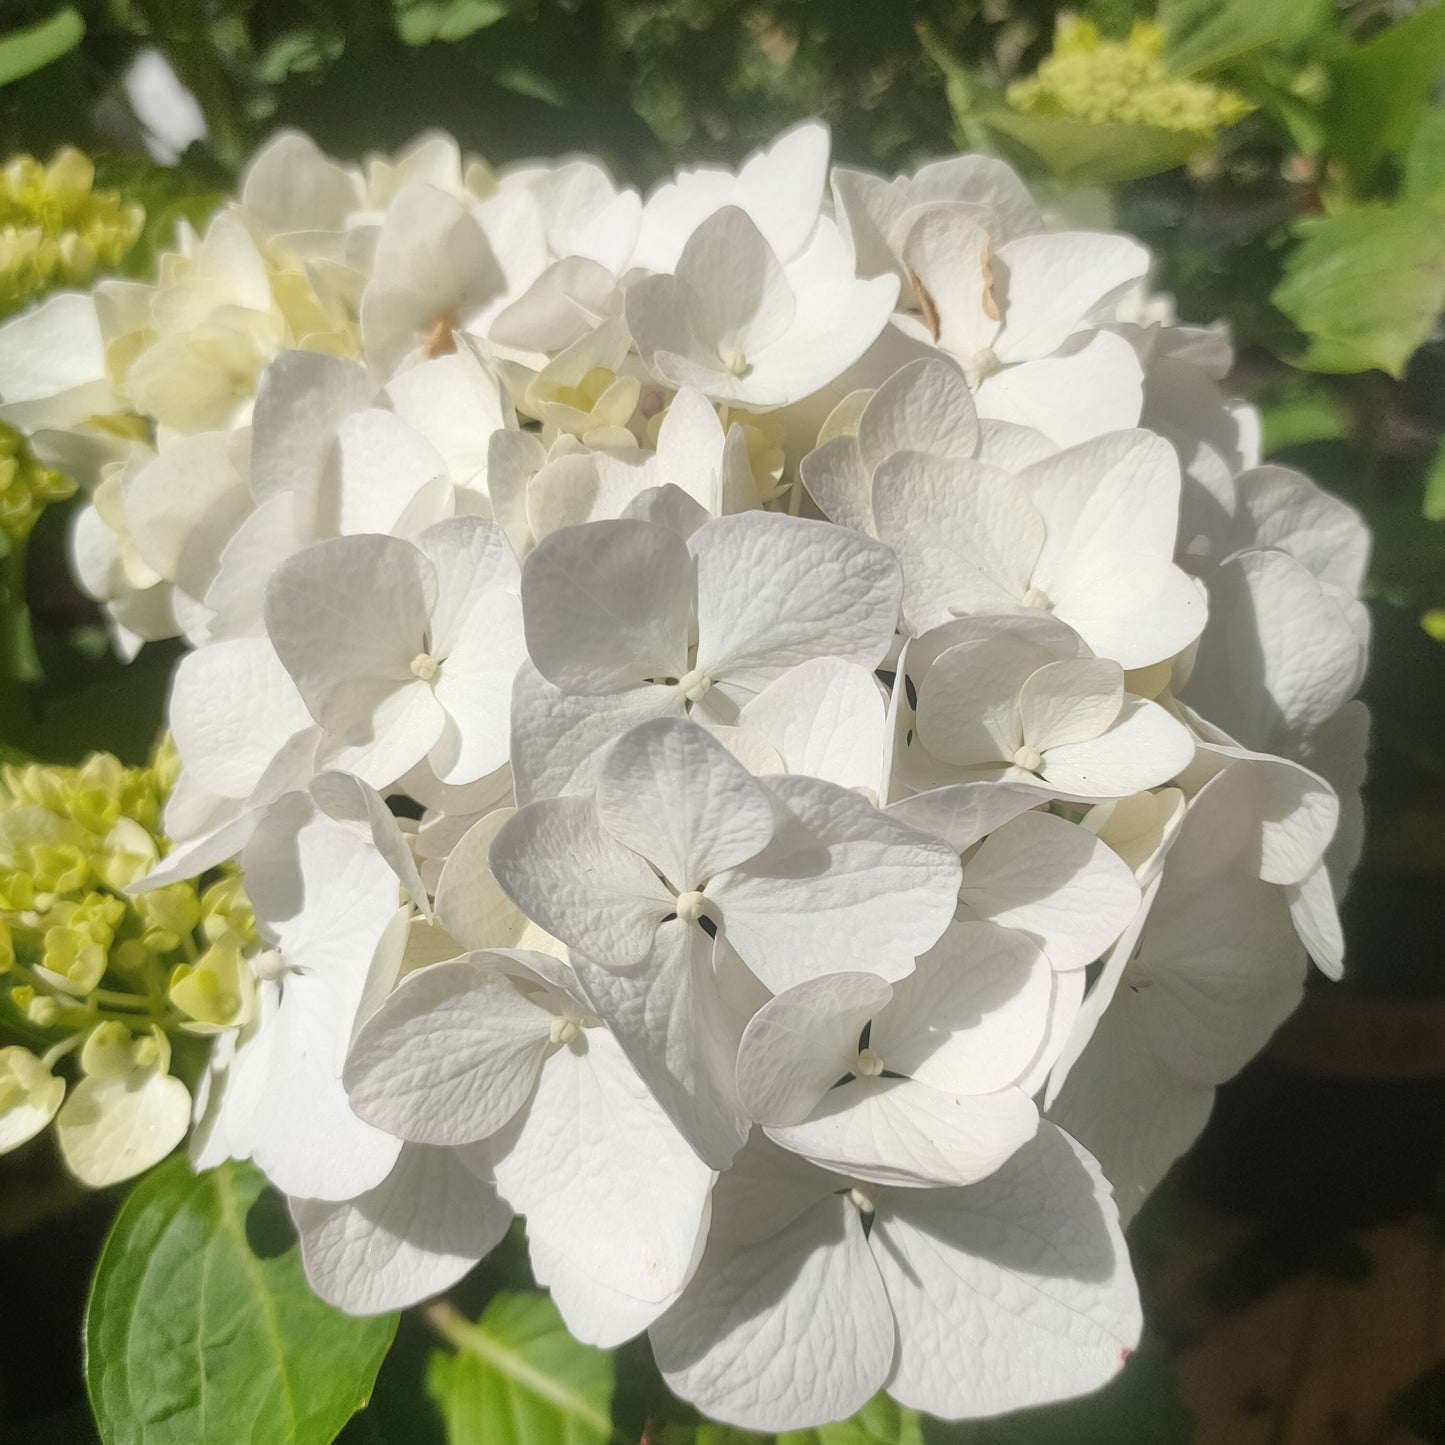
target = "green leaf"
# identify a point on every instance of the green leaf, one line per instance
(23, 52)
(1380, 90)
(419, 22)
(1095, 153)
(519, 1378)
(191, 1338)
(1365, 286)
(1424, 170)
(1206, 35)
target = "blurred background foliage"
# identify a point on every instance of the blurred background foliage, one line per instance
(1286, 161)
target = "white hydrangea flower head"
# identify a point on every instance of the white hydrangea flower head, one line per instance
(858, 687)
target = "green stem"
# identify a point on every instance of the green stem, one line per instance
(53, 1056)
(467, 1338)
(17, 716)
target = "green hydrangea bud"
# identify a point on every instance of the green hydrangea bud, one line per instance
(56, 229)
(1127, 81)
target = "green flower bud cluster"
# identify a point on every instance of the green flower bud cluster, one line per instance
(1094, 79)
(85, 967)
(26, 487)
(55, 228)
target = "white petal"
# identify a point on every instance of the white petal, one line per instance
(788, 1333)
(349, 615)
(389, 732)
(799, 1044)
(301, 400)
(233, 706)
(52, 364)
(1026, 1273)
(307, 1139)
(470, 904)
(1054, 881)
(967, 535)
(379, 466)
(182, 507)
(834, 475)
(947, 256)
(594, 1314)
(925, 407)
(971, 1017)
(1280, 652)
(1070, 702)
(566, 872)
(1317, 921)
(900, 1132)
(774, 591)
(606, 606)
(601, 1174)
(744, 300)
(450, 1056)
(1051, 282)
(349, 800)
(962, 813)
(110, 1129)
(842, 885)
(410, 1237)
(824, 719)
(1145, 748)
(559, 739)
(673, 794)
(669, 1017)
(1130, 1109)
(1095, 384)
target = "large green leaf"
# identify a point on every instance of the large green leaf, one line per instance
(23, 52)
(191, 1338)
(1094, 153)
(1380, 91)
(519, 1378)
(1206, 35)
(1365, 286)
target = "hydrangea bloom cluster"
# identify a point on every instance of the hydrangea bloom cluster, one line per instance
(55, 228)
(102, 977)
(1123, 80)
(777, 730)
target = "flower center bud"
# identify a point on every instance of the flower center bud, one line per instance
(690, 905)
(867, 1065)
(425, 666)
(1030, 759)
(564, 1030)
(270, 965)
(861, 1200)
(734, 362)
(983, 365)
(1037, 597)
(695, 685)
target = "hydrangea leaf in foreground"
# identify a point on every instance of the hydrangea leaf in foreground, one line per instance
(189, 1332)
(519, 1376)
